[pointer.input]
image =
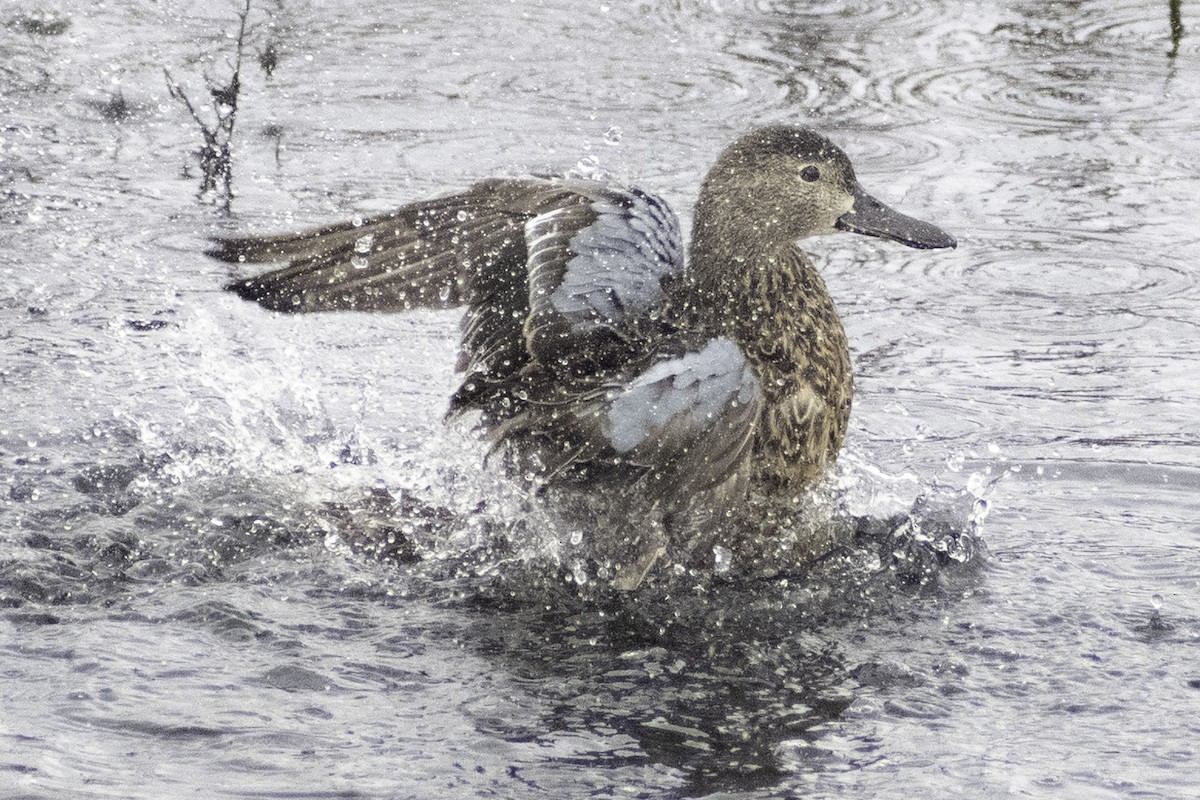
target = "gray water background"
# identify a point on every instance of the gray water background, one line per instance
(179, 618)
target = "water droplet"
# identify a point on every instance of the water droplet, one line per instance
(979, 511)
(612, 136)
(461, 216)
(587, 167)
(356, 221)
(722, 559)
(363, 245)
(1156, 600)
(576, 538)
(871, 562)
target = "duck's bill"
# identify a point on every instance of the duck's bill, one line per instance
(872, 218)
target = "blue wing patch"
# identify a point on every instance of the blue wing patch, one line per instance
(620, 261)
(595, 263)
(678, 404)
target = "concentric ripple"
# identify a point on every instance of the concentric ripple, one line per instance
(1063, 94)
(1043, 68)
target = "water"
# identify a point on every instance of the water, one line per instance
(181, 614)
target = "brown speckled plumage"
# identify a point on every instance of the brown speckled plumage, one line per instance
(595, 354)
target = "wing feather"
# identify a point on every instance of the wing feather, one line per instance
(595, 266)
(695, 413)
(682, 423)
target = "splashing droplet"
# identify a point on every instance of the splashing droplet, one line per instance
(722, 559)
(979, 512)
(612, 136)
(588, 167)
(358, 262)
(364, 243)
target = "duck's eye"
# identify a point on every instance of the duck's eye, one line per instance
(810, 174)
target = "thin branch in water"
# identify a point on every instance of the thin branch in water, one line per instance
(216, 155)
(1175, 11)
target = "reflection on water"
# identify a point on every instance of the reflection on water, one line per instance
(180, 478)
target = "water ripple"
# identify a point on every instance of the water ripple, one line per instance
(1039, 71)
(1122, 34)
(1041, 97)
(1082, 276)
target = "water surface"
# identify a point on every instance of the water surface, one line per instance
(181, 614)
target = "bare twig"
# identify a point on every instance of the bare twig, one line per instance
(215, 155)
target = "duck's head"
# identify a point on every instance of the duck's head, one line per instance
(779, 184)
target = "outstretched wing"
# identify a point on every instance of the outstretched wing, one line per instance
(429, 254)
(583, 253)
(402, 260)
(553, 271)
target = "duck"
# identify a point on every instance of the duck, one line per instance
(603, 354)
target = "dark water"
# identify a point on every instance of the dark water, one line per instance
(181, 615)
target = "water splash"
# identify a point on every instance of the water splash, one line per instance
(722, 559)
(588, 168)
